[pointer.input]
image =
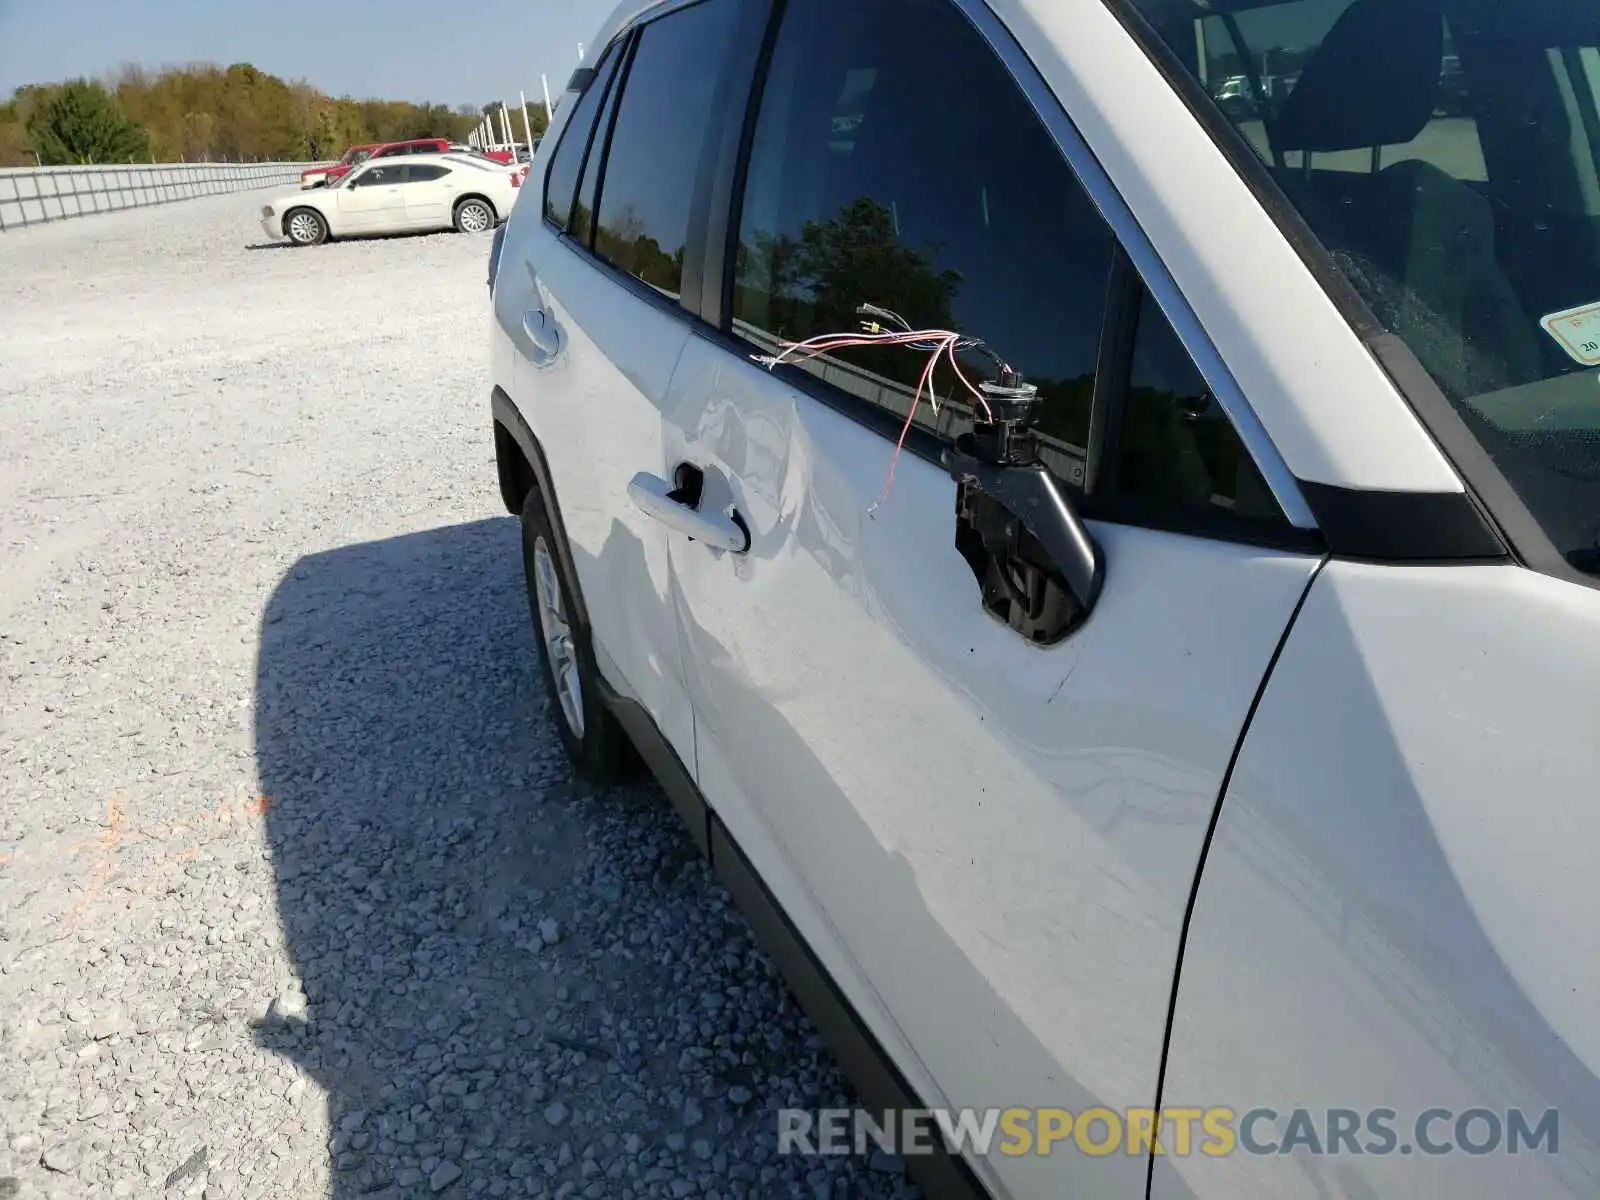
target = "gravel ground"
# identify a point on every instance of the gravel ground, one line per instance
(296, 896)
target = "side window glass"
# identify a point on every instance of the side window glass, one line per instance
(562, 183)
(426, 173)
(869, 184)
(662, 123)
(1176, 448)
(582, 227)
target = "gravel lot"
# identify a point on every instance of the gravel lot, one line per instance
(296, 896)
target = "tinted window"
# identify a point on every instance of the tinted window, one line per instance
(662, 123)
(562, 183)
(426, 172)
(380, 176)
(896, 163)
(1447, 155)
(1175, 447)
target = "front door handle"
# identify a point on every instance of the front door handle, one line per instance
(676, 508)
(540, 326)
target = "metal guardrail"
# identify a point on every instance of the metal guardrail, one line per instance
(35, 195)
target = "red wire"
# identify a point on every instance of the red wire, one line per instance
(826, 343)
(905, 431)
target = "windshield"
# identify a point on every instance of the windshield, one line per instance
(1447, 154)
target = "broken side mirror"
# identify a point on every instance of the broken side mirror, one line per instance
(1039, 569)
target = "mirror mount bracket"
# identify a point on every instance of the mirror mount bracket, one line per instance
(1039, 569)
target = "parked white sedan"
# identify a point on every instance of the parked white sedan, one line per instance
(420, 193)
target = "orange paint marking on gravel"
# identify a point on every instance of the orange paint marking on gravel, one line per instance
(107, 845)
(105, 857)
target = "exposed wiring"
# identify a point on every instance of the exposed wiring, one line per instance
(886, 327)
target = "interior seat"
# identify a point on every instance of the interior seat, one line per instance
(1422, 243)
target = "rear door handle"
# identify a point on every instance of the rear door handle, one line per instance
(540, 326)
(677, 508)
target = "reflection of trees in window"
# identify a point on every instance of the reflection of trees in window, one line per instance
(814, 284)
(623, 241)
(797, 288)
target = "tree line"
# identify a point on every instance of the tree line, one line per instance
(209, 113)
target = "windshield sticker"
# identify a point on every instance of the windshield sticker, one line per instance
(1578, 332)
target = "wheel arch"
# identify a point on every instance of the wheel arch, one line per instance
(522, 467)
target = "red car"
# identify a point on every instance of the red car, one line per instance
(500, 156)
(317, 176)
(389, 149)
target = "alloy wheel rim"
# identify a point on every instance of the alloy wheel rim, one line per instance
(557, 633)
(303, 227)
(474, 219)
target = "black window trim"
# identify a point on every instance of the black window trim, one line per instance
(1299, 532)
(1488, 522)
(1112, 372)
(575, 95)
(734, 147)
(605, 120)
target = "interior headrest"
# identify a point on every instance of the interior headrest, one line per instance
(1374, 81)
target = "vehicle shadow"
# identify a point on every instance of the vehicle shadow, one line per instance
(403, 235)
(501, 977)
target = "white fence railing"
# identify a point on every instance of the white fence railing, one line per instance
(33, 195)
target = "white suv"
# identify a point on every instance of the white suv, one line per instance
(1112, 586)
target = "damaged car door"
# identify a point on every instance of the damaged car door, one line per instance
(986, 822)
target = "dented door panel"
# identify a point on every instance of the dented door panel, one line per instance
(991, 841)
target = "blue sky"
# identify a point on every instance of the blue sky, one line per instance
(449, 53)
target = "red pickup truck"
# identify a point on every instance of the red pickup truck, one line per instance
(413, 146)
(317, 176)
(387, 149)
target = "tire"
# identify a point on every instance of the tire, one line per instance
(595, 743)
(475, 216)
(305, 227)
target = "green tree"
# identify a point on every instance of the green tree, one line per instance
(205, 112)
(81, 123)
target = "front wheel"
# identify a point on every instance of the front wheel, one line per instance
(474, 216)
(306, 227)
